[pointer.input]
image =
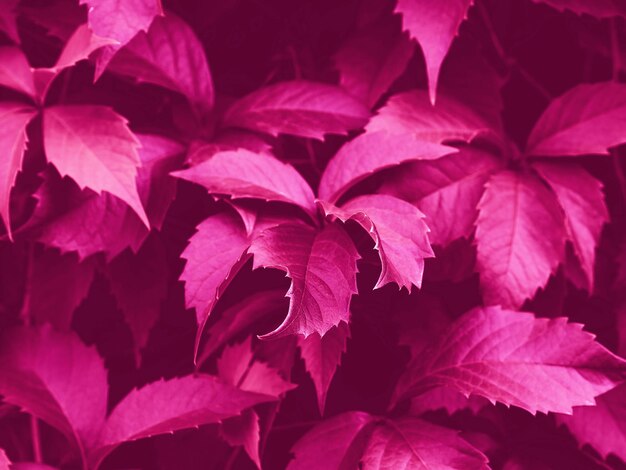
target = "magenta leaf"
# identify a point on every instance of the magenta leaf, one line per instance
(302, 108)
(417, 444)
(244, 430)
(119, 21)
(372, 152)
(582, 199)
(589, 118)
(139, 284)
(520, 238)
(412, 113)
(399, 233)
(517, 359)
(171, 405)
(169, 55)
(321, 264)
(244, 174)
(59, 280)
(48, 374)
(434, 25)
(79, 47)
(336, 443)
(14, 117)
(15, 71)
(94, 146)
(205, 277)
(448, 399)
(597, 8)
(602, 426)
(446, 190)
(372, 59)
(322, 356)
(5, 463)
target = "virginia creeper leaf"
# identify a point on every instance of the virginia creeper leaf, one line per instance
(434, 25)
(15, 71)
(581, 197)
(244, 430)
(399, 233)
(589, 118)
(14, 117)
(79, 47)
(447, 190)
(299, 107)
(520, 238)
(93, 145)
(372, 59)
(244, 174)
(372, 152)
(517, 359)
(597, 8)
(47, 374)
(417, 444)
(322, 356)
(322, 267)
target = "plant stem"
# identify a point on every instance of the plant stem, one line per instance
(34, 432)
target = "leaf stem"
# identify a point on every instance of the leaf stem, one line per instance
(510, 62)
(34, 432)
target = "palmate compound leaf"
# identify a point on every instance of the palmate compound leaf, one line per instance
(597, 8)
(399, 232)
(299, 107)
(322, 356)
(359, 440)
(582, 199)
(588, 119)
(244, 174)
(94, 146)
(372, 152)
(602, 426)
(446, 190)
(169, 55)
(434, 25)
(321, 264)
(14, 117)
(520, 237)
(79, 47)
(512, 357)
(373, 58)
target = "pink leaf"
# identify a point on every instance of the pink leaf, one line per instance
(139, 284)
(447, 190)
(120, 21)
(48, 374)
(322, 267)
(372, 59)
(520, 238)
(597, 8)
(59, 280)
(399, 233)
(244, 431)
(82, 221)
(5, 463)
(372, 152)
(167, 406)
(335, 443)
(582, 199)
(94, 146)
(449, 399)
(434, 25)
(15, 71)
(517, 359)
(417, 444)
(169, 55)
(602, 426)
(206, 277)
(79, 47)
(14, 117)
(302, 108)
(244, 174)
(411, 112)
(322, 356)
(237, 366)
(586, 119)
